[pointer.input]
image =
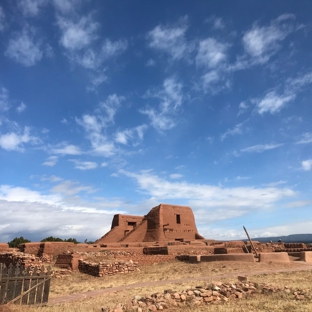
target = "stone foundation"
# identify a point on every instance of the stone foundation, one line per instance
(219, 257)
(106, 269)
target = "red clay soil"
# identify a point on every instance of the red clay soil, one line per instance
(100, 292)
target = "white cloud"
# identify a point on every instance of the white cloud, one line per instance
(66, 149)
(104, 164)
(110, 48)
(66, 6)
(21, 107)
(70, 188)
(111, 105)
(171, 98)
(242, 108)
(262, 42)
(272, 102)
(4, 99)
(214, 81)
(170, 40)
(2, 19)
(223, 203)
(307, 138)
(150, 63)
(234, 131)
(261, 148)
(15, 141)
(30, 210)
(84, 165)
(77, 34)
(175, 176)
(211, 53)
(239, 178)
(51, 178)
(30, 8)
(306, 164)
(24, 49)
(135, 134)
(51, 161)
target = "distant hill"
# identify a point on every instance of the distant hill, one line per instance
(294, 238)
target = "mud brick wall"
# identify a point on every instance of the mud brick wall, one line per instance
(67, 261)
(4, 247)
(106, 269)
(190, 250)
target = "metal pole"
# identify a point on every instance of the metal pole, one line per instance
(252, 246)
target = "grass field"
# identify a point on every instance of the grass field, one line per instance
(76, 283)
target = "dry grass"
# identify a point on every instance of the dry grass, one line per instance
(177, 270)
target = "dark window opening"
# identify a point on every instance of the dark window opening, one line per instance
(179, 239)
(133, 224)
(178, 219)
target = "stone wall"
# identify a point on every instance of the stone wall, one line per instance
(19, 258)
(106, 269)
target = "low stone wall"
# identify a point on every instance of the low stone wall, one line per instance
(18, 258)
(306, 256)
(220, 257)
(274, 257)
(155, 251)
(106, 269)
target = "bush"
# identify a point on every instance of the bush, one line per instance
(18, 240)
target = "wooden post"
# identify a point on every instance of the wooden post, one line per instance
(252, 246)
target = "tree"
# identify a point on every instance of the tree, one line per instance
(52, 239)
(71, 240)
(18, 240)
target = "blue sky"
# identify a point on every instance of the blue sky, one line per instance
(116, 106)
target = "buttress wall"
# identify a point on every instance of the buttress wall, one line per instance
(122, 225)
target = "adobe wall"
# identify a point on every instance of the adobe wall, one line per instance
(136, 234)
(274, 257)
(171, 222)
(4, 246)
(121, 225)
(306, 256)
(228, 257)
(68, 261)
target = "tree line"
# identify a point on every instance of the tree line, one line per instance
(21, 240)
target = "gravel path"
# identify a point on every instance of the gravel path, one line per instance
(100, 292)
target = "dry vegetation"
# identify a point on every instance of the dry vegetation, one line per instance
(76, 283)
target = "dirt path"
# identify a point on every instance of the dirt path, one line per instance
(100, 292)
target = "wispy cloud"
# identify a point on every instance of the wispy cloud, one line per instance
(77, 34)
(262, 42)
(21, 107)
(306, 138)
(176, 176)
(15, 141)
(135, 134)
(31, 8)
(66, 149)
(306, 165)
(234, 131)
(66, 6)
(170, 39)
(224, 202)
(2, 19)
(211, 53)
(23, 48)
(261, 148)
(272, 102)
(4, 99)
(84, 165)
(51, 161)
(171, 98)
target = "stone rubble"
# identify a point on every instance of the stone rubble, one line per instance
(216, 293)
(102, 268)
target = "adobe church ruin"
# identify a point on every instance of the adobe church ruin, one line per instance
(162, 224)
